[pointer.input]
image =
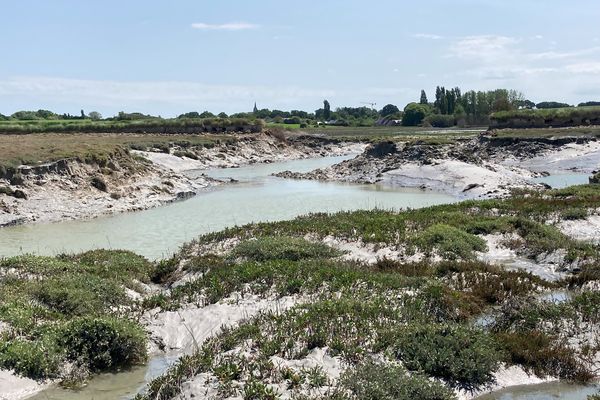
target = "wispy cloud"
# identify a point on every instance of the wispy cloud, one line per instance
(484, 47)
(584, 68)
(427, 36)
(555, 55)
(230, 26)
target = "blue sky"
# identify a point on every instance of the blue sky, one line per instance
(169, 57)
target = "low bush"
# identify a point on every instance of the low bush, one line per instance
(543, 355)
(380, 381)
(282, 248)
(440, 121)
(34, 359)
(463, 357)
(104, 343)
(448, 242)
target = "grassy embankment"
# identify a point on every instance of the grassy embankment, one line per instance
(47, 147)
(416, 319)
(545, 118)
(151, 125)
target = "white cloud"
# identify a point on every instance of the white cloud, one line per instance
(483, 47)
(584, 68)
(231, 26)
(427, 36)
(555, 55)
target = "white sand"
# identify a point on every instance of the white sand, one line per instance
(584, 229)
(13, 387)
(546, 267)
(454, 177)
(583, 158)
(181, 330)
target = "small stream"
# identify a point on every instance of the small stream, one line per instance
(561, 181)
(543, 391)
(257, 197)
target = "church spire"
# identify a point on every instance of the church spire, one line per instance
(255, 108)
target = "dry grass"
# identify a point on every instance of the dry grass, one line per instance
(39, 148)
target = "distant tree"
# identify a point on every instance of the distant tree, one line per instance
(45, 114)
(279, 113)
(388, 110)
(423, 98)
(326, 110)
(192, 114)
(82, 115)
(589, 104)
(207, 114)
(414, 114)
(222, 115)
(299, 113)
(552, 104)
(25, 115)
(3, 117)
(95, 115)
(123, 116)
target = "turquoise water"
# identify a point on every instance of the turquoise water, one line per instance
(257, 197)
(544, 391)
(563, 180)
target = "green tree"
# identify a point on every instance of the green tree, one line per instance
(388, 110)
(414, 114)
(192, 114)
(95, 116)
(326, 110)
(222, 115)
(552, 104)
(423, 98)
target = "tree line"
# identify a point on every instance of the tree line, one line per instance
(449, 107)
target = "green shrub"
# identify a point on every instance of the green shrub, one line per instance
(282, 248)
(450, 243)
(464, 357)
(78, 295)
(378, 381)
(543, 355)
(164, 270)
(440, 121)
(33, 359)
(571, 214)
(120, 265)
(104, 343)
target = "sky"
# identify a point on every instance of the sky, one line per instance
(170, 57)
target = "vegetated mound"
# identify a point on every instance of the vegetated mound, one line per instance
(393, 329)
(544, 118)
(68, 316)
